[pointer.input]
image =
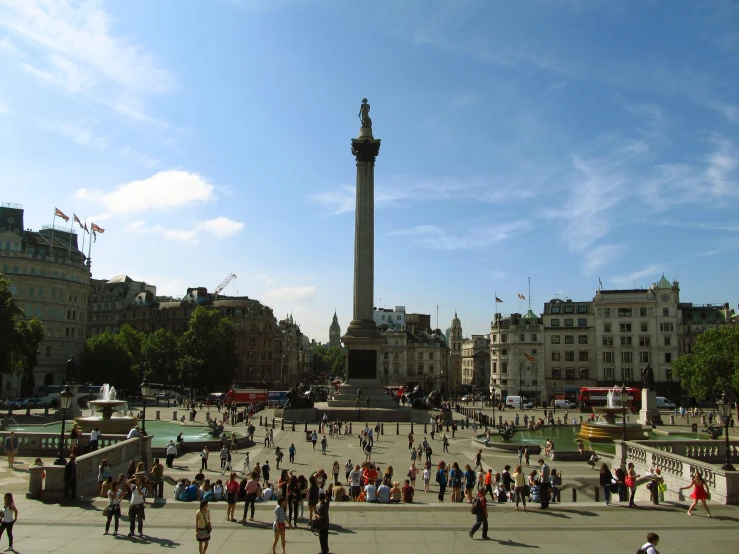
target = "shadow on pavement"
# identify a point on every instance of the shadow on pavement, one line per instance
(340, 529)
(548, 513)
(579, 512)
(165, 543)
(513, 543)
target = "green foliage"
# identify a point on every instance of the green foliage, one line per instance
(19, 338)
(713, 366)
(328, 359)
(133, 342)
(160, 352)
(108, 361)
(207, 351)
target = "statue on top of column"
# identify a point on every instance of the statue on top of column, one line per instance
(364, 114)
(647, 375)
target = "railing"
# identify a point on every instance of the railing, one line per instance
(679, 461)
(47, 444)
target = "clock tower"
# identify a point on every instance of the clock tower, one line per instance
(334, 333)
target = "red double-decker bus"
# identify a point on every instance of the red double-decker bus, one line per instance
(598, 396)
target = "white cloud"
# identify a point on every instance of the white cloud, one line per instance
(75, 49)
(221, 227)
(600, 255)
(290, 293)
(729, 111)
(80, 133)
(162, 191)
(463, 236)
(631, 279)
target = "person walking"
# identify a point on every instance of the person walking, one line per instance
(203, 526)
(314, 439)
(348, 467)
(70, 479)
(280, 523)
(291, 453)
(9, 517)
(322, 522)
(279, 455)
(410, 441)
(251, 496)
(247, 465)
(223, 455)
(480, 509)
(469, 482)
(114, 507)
(136, 506)
(313, 493)
(11, 447)
(544, 483)
(606, 480)
(445, 443)
(700, 492)
(171, 453)
(478, 460)
(488, 480)
(631, 477)
(204, 459)
(650, 547)
(335, 470)
(519, 486)
(324, 444)
(526, 455)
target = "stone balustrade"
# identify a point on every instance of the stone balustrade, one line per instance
(119, 455)
(32, 444)
(678, 461)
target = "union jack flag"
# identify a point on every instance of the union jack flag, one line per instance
(59, 213)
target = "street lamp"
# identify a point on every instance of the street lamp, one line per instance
(65, 401)
(145, 390)
(492, 393)
(724, 410)
(624, 398)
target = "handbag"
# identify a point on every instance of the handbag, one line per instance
(629, 481)
(106, 511)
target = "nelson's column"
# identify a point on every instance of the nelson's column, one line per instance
(363, 339)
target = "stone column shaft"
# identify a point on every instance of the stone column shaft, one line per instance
(364, 243)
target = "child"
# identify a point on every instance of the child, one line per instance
(426, 478)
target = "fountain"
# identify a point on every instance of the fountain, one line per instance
(105, 405)
(608, 430)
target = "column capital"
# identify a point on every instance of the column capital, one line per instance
(365, 150)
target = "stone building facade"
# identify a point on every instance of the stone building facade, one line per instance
(50, 279)
(414, 357)
(394, 319)
(455, 340)
(334, 332)
(476, 361)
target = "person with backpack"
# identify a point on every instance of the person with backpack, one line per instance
(480, 509)
(651, 545)
(441, 479)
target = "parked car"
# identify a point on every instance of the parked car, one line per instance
(566, 404)
(664, 404)
(31, 403)
(16, 403)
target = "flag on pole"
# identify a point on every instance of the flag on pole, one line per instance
(77, 220)
(59, 213)
(498, 299)
(521, 296)
(600, 284)
(85, 228)
(529, 357)
(97, 229)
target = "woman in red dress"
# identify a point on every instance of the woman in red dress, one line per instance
(700, 492)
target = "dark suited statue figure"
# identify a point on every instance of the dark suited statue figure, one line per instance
(647, 377)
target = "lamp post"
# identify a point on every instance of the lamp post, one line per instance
(724, 410)
(492, 394)
(145, 389)
(456, 392)
(65, 401)
(624, 398)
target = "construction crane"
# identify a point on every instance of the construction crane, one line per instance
(225, 283)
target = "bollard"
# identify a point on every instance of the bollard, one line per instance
(158, 415)
(580, 419)
(424, 429)
(397, 428)
(597, 493)
(306, 427)
(282, 425)
(672, 420)
(174, 415)
(500, 421)
(447, 426)
(293, 425)
(574, 494)
(467, 423)
(350, 427)
(411, 427)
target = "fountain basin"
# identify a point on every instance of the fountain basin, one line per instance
(112, 425)
(599, 431)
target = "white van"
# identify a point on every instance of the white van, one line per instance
(518, 402)
(664, 404)
(564, 404)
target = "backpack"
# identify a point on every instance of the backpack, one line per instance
(476, 506)
(641, 551)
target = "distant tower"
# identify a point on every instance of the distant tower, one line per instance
(455, 347)
(334, 333)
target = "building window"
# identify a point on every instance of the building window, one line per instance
(569, 309)
(570, 356)
(606, 312)
(666, 327)
(48, 351)
(644, 327)
(555, 323)
(504, 368)
(569, 339)
(668, 357)
(583, 355)
(628, 374)
(570, 373)
(533, 337)
(495, 367)
(521, 338)
(643, 357)
(607, 328)
(608, 373)
(582, 339)
(607, 357)
(555, 309)
(582, 322)
(665, 312)
(625, 327)
(624, 312)
(568, 323)
(555, 339)
(667, 341)
(504, 338)
(643, 312)
(627, 357)
(582, 309)
(584, 373)
(556, 356)
(645, 341)
(607, 341)
(625, 341)
(556, 373)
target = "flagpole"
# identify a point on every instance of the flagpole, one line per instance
(51, 246)
(529, 293)
(83, 239)
(69, 249)
(89, 249)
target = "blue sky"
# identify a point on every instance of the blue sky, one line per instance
(560, 140)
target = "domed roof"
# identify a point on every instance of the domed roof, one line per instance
(455, 321)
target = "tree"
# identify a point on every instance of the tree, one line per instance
(19, 338)
(107, 361)
(133, 342)
(713, 365)
(160, 352)
(207, 351)
(328, 359)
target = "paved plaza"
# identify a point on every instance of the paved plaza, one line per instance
(426, 526)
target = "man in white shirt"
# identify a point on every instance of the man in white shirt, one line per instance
(370, 492)
(94, 438)
(171, 453)
(355, 478)
(133, 433)
(268, 493)
(651, 546)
